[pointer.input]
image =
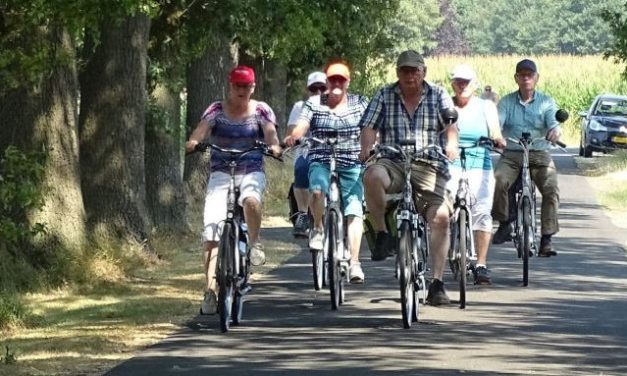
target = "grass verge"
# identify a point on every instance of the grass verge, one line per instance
(89, 329)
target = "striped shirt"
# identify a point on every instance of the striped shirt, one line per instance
(387, 114)
(323, 122)
(535, 117)
(237, 134)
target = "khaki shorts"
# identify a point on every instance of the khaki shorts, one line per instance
(428, 184)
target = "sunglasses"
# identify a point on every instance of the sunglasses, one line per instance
(317, 88)
(243, 86)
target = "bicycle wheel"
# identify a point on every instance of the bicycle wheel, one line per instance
(331, 248)
(452, 249)
(238, 300)
(404, 261)
(317, 260)
(464, 233)
(527, 233)
(225, 275)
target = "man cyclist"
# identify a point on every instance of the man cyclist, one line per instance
(236, 123)
(409, 109)
(316, 85)
(335, 112)
(528, 110)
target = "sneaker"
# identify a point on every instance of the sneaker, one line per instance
(546, 248)
(316, 239)
(355, 273)
(482, 275)
(257, 256)
(301, 225)
(504, 233)
(381, 249)
(437, 296)
(209, 305)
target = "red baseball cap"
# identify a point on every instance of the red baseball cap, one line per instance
(242, 74)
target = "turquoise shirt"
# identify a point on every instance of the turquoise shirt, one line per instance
(535, 117)
(473, 124)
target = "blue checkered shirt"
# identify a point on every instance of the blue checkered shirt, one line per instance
(346, 123)
(387, 115)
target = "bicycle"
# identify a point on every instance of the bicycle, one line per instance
(462, 253)
(331, 263)
(233, 265)
(412, 235)
(523, 212)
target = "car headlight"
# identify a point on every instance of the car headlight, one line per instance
(596, 126)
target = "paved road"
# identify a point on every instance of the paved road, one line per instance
(569, 320)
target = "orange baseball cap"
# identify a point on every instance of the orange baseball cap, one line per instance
(338, 69)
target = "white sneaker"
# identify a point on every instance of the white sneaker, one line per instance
(209, 305)
(316, 239)
(355, 273)
(257, 256)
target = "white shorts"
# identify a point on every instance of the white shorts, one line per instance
(250, 185)
(482, 189)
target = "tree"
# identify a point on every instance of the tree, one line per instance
(38, 94)
(617, 21)
(414, 26)
(112, 130)
(449, 37)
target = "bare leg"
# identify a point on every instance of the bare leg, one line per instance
(317, 208)
(376, 183)
(482, 242)
(355, 231)
(439, 223)
(252, 214)
(302, 199)
(210, 257)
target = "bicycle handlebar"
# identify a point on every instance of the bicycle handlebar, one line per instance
(258, 146)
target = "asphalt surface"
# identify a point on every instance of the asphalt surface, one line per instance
(570, 320)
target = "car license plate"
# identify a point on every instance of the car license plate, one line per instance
(619, 139)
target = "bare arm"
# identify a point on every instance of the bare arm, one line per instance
(271, 138)
(452, 142)
(297, 131)
(368, 138)
(202, 131)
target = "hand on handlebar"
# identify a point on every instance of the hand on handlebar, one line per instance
(553, 135)
(452, 150)
(276, 150)
(500, 143)
(365, 154)
(289, 141)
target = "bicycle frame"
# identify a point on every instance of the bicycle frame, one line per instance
(463, 201)
(526, 189)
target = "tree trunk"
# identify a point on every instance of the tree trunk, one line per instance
(207, 80)
(164, 169)
(45, 117)
(112, 132)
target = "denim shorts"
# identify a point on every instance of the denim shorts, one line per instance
(351, 185)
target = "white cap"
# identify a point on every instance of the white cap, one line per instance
(316, 78)
(463, 72)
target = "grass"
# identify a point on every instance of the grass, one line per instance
(88, 329)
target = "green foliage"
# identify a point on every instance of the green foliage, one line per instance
(535, 26)
(414, 26)
(617, 20)
(20, 192)
(12, 313)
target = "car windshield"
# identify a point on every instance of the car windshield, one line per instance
(611, 107)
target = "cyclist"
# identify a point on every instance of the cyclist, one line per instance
(338, 112)
(528, 110)
(409, 108)
(316, 85)
(236, 122)
(477, 118)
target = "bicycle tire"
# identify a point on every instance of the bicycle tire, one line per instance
(463, 252)
(452, 250)
(238, 301)
(317, 260)
(331, 245)
(406, 284)
(526, 238)
(225, 273)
